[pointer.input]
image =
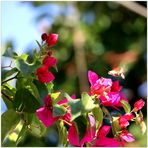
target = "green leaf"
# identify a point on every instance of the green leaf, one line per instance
(36, 127)
(10, 53)
(58, 110)
(7, 102)
(81, 126)
(55, 97)
(27, 68)
(50, 86)
(42, 50)
(13, 135)
(22, 135)
(8, 120)
(24, 101)
(24, 56)
(139, 121)
(126, 106)
(75, 106)
(42, 89)
(9, 87)
(33, 89)
(87, 102)
(10, 92)
(62, 133)
(115, 125)
(143, 127)
(141, 114)
(28, 117)
(35, 54)
(98, 115)
(21, 81)
(8, 73)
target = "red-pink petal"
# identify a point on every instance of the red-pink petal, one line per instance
(41, 69)
(67, 117)
(107, 142)
(122, 97)
(46, 117)
(129, 116)
(115, 86)
(52, 39)
(92, 77)
(128, 137)
(90, 133)
(73, 97)
(123, 122)
(46, 77)
(138, 105)
(103, 131)
(48, 100)
(64, 101)
(73, 136)
(92, 120)
(49, 61)
(111, 99)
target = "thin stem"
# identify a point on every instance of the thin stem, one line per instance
(15, 77)
(9, 98)
(8, 66)
(67, 122)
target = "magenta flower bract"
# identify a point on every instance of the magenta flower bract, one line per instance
(115, 86)
(103, 141)
(126, 136)
(98, 86)
(44, 76)
(49, 61)
(138, 105)
(52, 39)
(67, 117)
(105, 90)
(123, 120)
(92, 77)
(45, 113)
(111, 99)
(89, 135)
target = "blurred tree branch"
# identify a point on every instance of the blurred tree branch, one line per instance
(135, 7)
(80, 60)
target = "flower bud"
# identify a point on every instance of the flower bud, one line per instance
(138, 105)
(52, 39)
(44, 36)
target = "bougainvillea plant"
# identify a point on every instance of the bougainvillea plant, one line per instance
(33, 105)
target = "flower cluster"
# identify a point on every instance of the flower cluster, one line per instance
(99, 117)
(50, 39)
(103, 93)
(44, 76)
(105, 90)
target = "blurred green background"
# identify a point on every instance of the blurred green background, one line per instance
(92, 36)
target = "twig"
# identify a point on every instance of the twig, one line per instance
(8, 66)
(9, 98)
(15, 77)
